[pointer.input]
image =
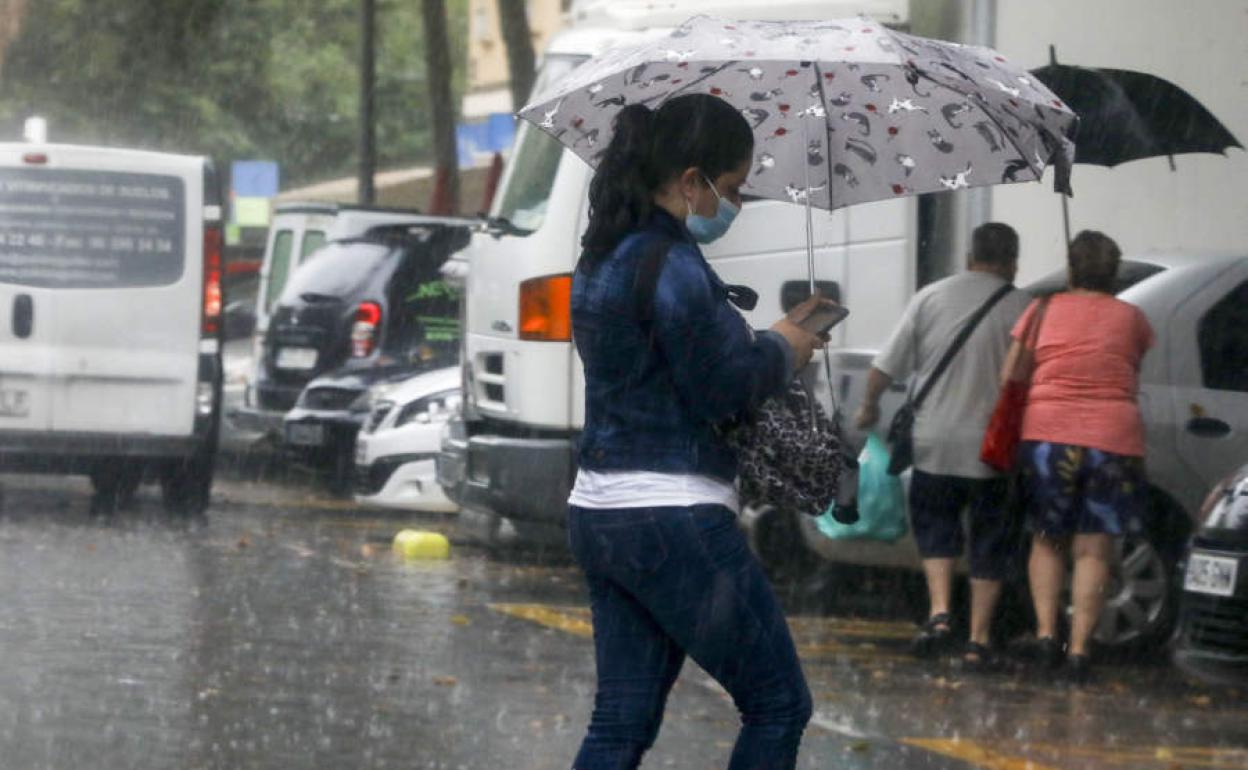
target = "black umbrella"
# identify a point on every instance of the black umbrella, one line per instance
(1126, 115)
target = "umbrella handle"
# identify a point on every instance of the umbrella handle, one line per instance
(810, 271)
(1065, 218)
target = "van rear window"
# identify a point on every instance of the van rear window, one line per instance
(74, 229)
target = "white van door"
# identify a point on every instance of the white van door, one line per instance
(26, 332)
(113, 262)
(292, 238)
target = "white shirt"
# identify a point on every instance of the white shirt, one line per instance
(647, 489)
(949, 427)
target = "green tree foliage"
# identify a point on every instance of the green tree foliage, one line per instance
(231, 79)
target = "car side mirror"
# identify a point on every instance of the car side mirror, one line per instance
(239, 321)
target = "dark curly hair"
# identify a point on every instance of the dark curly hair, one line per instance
(648, 150)
(1093, 259)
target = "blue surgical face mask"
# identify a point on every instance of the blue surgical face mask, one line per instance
(707, 229)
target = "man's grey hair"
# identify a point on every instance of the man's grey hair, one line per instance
(994, 243)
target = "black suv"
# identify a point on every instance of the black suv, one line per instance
(360, 310)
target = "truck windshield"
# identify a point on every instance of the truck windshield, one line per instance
(534, 160)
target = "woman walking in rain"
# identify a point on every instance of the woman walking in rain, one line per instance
(1083, 441)
(652, 515)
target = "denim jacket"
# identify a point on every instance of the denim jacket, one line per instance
(655, 390)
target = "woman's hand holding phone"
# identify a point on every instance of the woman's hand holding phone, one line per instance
(823, 317)
(793, 327)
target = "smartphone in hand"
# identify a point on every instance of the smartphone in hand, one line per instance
(825, 316)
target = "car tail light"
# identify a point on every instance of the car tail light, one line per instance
(364, 331)
(546, 308)
(35, 158)
(212, 282)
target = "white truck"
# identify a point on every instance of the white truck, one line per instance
(511, 456)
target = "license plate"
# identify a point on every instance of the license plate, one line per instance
(1211, 574)
(296, 358)
(305, 434)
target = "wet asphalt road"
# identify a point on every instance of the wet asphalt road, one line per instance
(282, 632)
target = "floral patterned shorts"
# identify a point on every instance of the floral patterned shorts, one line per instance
(1077, 490)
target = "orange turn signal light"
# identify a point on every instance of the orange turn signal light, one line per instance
(546, 308)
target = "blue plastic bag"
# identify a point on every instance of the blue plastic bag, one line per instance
(881, 500)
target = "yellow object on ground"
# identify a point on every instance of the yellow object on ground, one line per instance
(417, 544)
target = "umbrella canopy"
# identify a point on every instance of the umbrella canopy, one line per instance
(843, 111)
(1127, 115)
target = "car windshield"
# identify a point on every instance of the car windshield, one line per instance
(535, 161)
(1130, 272)
(337, 269)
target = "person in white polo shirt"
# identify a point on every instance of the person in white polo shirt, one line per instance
(948, 476)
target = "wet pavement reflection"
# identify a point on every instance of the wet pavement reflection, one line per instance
(282, 632)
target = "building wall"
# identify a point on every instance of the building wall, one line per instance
(487, 53)
(1201, 47)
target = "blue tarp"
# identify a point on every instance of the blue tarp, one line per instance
(494, 134)
(254, 178)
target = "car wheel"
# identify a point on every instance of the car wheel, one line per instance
(186, 486)
(341, 479)
(777, 539)
(1138, 604)
(115, 485)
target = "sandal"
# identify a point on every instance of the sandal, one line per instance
(979, 658)
(934, 638)
(1078, 670)
(1045, 654)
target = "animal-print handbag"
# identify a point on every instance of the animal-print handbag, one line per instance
(793, 456)
(790, 454)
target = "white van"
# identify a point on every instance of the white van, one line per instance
(110, 344)
(512, 455)
(297, 231)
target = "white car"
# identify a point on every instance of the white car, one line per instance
(396, 447)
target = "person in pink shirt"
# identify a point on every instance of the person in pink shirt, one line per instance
(1082, 451)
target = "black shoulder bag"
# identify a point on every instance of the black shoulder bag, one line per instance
(901, 430)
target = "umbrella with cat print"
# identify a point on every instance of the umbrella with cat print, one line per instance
(843, 112)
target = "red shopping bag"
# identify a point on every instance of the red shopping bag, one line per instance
(1005, 427)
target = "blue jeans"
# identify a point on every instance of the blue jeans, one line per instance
(669, 582)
